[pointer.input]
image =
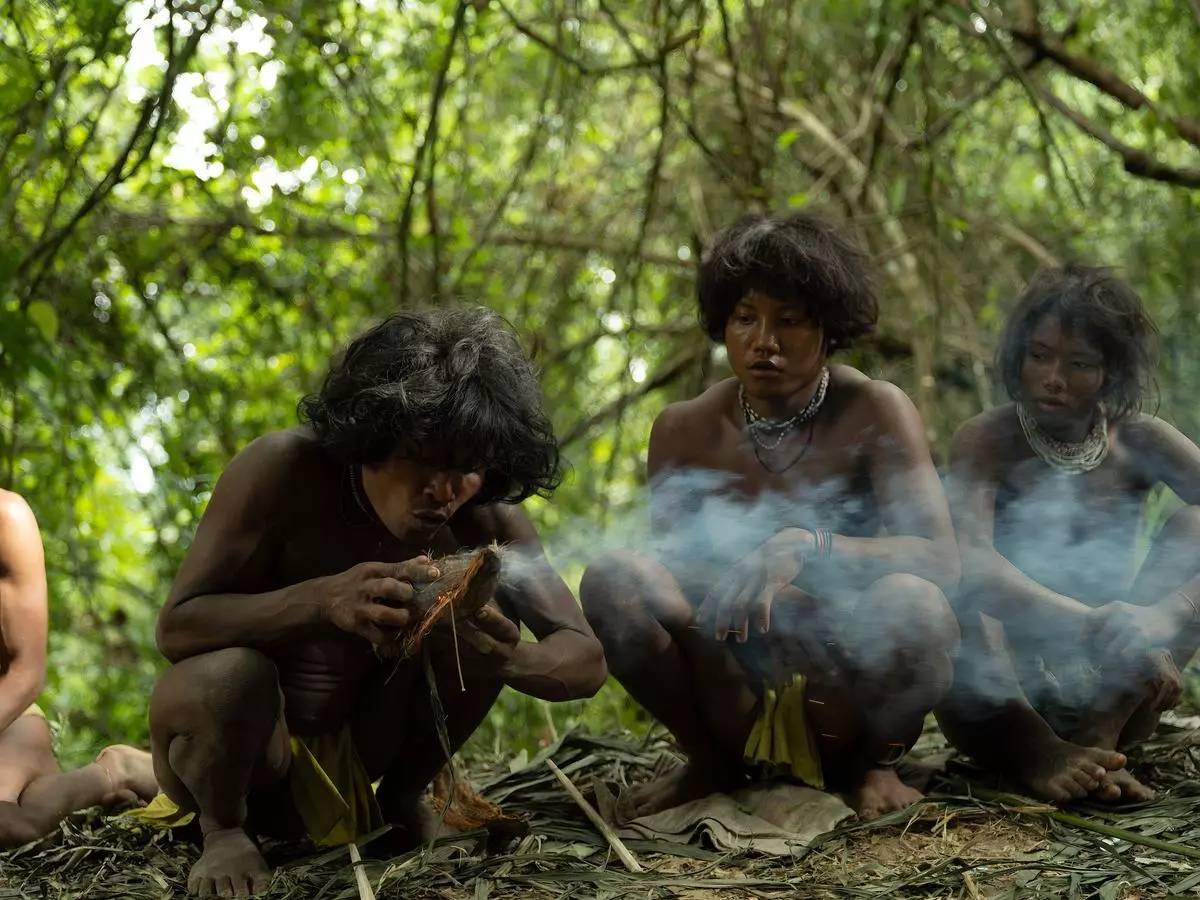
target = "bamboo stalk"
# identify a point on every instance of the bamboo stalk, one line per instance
(623, 853)
(1112, 831)
(360, 875)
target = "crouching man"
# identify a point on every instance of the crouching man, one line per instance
(793, 620)
(1070, 654)
(278, 716)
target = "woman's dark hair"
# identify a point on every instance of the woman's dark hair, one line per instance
(797, 258)
(449, 387)
(1091, 303)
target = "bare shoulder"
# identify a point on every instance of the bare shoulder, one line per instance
(277, 459)
(15, 513)
(1149, 433)
(19, 533)
(687, 426)
(875, 404)
(987, 437)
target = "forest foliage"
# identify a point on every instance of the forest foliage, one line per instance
(201, 201)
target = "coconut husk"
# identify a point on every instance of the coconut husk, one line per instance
(467, 809)
(468, 581)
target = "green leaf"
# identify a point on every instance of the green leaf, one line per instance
(786, 139)
(45, 317)
(797, 199)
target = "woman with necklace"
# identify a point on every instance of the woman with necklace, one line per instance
(1070, 654)
(791, 618)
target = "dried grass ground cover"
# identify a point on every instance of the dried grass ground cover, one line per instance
(967, 841)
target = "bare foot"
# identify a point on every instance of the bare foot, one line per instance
(679, 786)
(130, 774)
(230, 866)
(1064, 771)
(1122, 787)
(881, 792)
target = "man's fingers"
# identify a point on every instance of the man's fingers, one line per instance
(762, 609)
(387, 616)
(389, 590)
(497, 625)
(731, 614)
(418, 570)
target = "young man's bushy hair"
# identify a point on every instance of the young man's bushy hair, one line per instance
(448, 387)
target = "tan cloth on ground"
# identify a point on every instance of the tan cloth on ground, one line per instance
(775, 818)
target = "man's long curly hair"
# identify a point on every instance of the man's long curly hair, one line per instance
(449, 387)
(1093, 303)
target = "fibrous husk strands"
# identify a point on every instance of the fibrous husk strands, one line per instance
(468, 581)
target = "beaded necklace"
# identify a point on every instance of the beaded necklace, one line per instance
(1069, 457)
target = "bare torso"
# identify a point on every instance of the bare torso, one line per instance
(318, 529)
(1075, 534)
(816, 478)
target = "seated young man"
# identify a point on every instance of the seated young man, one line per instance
(35, 795)
(1068, 654)
(278, 716)
(794, 619)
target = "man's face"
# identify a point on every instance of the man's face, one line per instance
(1062, 374)
(774, 348)
(417, 498)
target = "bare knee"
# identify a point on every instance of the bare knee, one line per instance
(215, 690)
(624, 590)
(912, 611)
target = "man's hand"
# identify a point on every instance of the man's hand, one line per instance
(489, 636)
(373, 598)
(1142, 636)
(744, 596)
(1129, 630)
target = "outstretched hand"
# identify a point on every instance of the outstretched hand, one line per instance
(375, 600)
(744, 596)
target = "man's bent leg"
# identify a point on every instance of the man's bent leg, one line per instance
(684, 678)
(397, 737)
(899, 641)
(217, 731)
(26, 754)
(986, 716)
(120, 774)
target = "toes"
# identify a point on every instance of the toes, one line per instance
(1140, 793)
(1109, 791)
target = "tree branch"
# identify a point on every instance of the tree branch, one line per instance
(1098, 76)
(661, 379)
(586, 245)
(153, 115)
(1137, 162)
(425, 146)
